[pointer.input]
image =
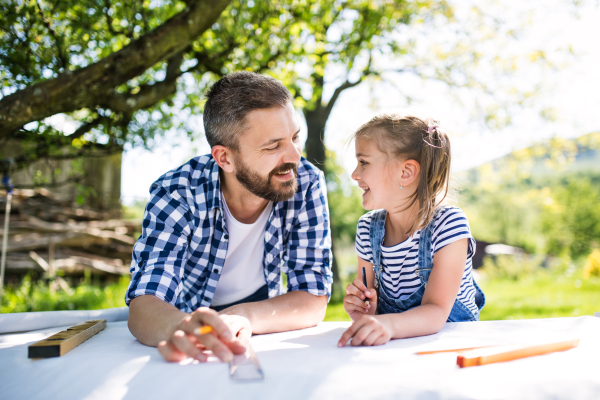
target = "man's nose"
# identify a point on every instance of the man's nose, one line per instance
(292, 154)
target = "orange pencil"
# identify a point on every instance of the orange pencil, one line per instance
(508, 353)
(451, 350)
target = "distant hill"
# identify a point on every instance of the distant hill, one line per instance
(553, 157)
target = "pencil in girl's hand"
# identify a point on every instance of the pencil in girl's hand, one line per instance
(365, 283)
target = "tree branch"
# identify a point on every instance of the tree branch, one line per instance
(347, 85)
(146, 97)
(72, 91)
(85, 128)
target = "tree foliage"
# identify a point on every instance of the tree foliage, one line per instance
(124, 72)
(543, 198)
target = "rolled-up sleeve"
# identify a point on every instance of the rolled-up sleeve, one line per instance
(159, 254)
(308, 253)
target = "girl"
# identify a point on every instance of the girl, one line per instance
(416, 253)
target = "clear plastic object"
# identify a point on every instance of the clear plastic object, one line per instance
(245, 367)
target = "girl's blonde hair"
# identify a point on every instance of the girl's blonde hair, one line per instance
(419, 138)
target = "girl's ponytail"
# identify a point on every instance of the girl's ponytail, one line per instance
(435, 173)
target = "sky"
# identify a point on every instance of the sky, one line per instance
(569, 92)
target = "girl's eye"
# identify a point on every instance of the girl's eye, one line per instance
(363, 163)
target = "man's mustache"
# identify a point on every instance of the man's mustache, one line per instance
(283, 168)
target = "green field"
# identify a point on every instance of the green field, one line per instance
(538, 294)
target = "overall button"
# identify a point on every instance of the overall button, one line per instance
(216, 271)
(226, 237)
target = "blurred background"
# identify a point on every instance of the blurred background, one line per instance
(516, 84)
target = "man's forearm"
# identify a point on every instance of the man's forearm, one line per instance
(150, 319)
(290, 311)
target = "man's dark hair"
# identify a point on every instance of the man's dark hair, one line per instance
(231, 98)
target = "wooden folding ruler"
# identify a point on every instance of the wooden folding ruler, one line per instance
(62, 342)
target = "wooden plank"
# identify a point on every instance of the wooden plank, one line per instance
(59, 344)
(508, 353)
(34, 241)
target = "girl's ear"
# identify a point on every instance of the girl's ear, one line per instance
(223, 157)
(410, 172)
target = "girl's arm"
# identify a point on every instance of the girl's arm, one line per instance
(438, 299)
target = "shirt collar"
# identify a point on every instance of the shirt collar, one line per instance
(213, 193)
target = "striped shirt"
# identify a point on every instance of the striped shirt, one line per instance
(400, 261)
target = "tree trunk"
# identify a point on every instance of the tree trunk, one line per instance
(315, 153)
(315, 145)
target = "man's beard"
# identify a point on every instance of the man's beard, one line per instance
(264, 187)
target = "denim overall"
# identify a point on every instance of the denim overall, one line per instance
(387, 304)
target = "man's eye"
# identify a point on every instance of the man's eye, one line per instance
(274, 148)
(296, 138)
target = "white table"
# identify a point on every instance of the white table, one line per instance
(307, 364)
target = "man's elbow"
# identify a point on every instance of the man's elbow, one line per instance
(318, 310)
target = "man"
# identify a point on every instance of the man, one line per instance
(219, 230)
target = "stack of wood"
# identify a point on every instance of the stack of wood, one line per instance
(49, 234)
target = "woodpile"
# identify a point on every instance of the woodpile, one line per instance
(47, 234)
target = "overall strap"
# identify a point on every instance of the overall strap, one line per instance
(376, 233)
(425, 260)
(425, 242)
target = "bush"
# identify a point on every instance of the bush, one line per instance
(510, 267)
(592, 265)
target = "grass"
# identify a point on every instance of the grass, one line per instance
(544, 295)
(36, 296)
(539, 293)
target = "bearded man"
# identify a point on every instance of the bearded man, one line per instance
(219, 231)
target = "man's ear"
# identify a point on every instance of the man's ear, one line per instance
(223, 157)
(410, 172)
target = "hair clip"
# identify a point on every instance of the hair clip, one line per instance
(432, 128)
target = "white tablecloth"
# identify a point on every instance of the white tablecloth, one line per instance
(306, 364)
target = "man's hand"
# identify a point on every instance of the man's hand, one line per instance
(238, 325)
(354, 301)
(223, 341)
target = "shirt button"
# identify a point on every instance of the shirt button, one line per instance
(216, 271)
(226, 237)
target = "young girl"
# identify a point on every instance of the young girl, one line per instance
(416, 253)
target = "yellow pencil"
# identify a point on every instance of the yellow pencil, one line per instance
(203, 329)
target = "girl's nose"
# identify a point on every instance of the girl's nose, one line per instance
(355, 175)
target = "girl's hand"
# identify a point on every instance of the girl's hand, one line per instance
(368, 330)
(354, 301)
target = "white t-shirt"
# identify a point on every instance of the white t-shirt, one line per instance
(243, 271)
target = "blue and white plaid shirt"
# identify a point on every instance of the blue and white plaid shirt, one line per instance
(181, 251)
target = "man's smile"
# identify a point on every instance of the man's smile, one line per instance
(285, 175)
